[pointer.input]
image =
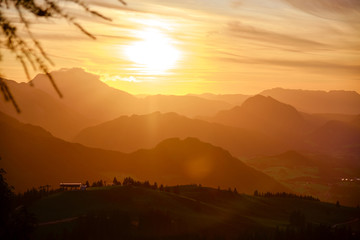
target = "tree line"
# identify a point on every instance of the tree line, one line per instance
(285, 195)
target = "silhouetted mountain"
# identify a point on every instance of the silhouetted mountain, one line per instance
(319, 119)
(356, 121)
(32, 157)
(85, 93)
(39, 108)
(233, 99)
(336, 137)
(185, 105)
(346, 102)
(264, 114)
(127, 134)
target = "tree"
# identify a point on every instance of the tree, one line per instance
(116, 182)
(6, 197)
(15, 222)
(128, 181)
(27, 49)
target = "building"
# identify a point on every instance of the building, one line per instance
(73, 186)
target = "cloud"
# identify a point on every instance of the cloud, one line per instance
(333, 9)
(308, 65)
(257, 34)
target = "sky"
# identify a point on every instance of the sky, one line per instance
(216, 46)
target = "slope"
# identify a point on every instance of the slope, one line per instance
(39, 108)
(86, 94)
(192, 211)
(266, 115)
(33, 157)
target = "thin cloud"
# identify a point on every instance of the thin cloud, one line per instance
(309, 64)
(333, 9)
(257, 34)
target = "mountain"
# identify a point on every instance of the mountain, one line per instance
(266, 115)
(190, 106)
(32, 157)
(345, 102)
(337, 137)
(129, 133)
(319, 119)
(39, 108)
(88, 95)
(233, 99)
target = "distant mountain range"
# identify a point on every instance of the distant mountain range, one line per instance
(345, 102)
(88, 101)
(85, 93)
(127, 134)
(33, 157)
(260, 126)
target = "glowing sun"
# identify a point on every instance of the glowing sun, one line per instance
(155, 52)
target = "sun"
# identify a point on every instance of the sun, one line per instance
(155, 52)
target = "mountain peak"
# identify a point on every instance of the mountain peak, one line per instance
(260, 101)
(264, 114)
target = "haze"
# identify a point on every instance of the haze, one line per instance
(181, 47)
(207, 119)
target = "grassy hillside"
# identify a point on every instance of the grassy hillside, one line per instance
(180, 211)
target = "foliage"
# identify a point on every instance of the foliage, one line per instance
(15, 221)
(284, 195)
(18, 14)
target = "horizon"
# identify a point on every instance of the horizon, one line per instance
(193, 93)
(179, 48)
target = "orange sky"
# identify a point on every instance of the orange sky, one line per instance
(218, 46)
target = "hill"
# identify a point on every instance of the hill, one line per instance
(173, 161)
(185, 212)
(345, 102)
(266, 115)
(128, 134)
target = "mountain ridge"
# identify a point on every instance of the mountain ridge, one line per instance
(53, 160)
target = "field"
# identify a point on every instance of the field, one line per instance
(180, 211)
